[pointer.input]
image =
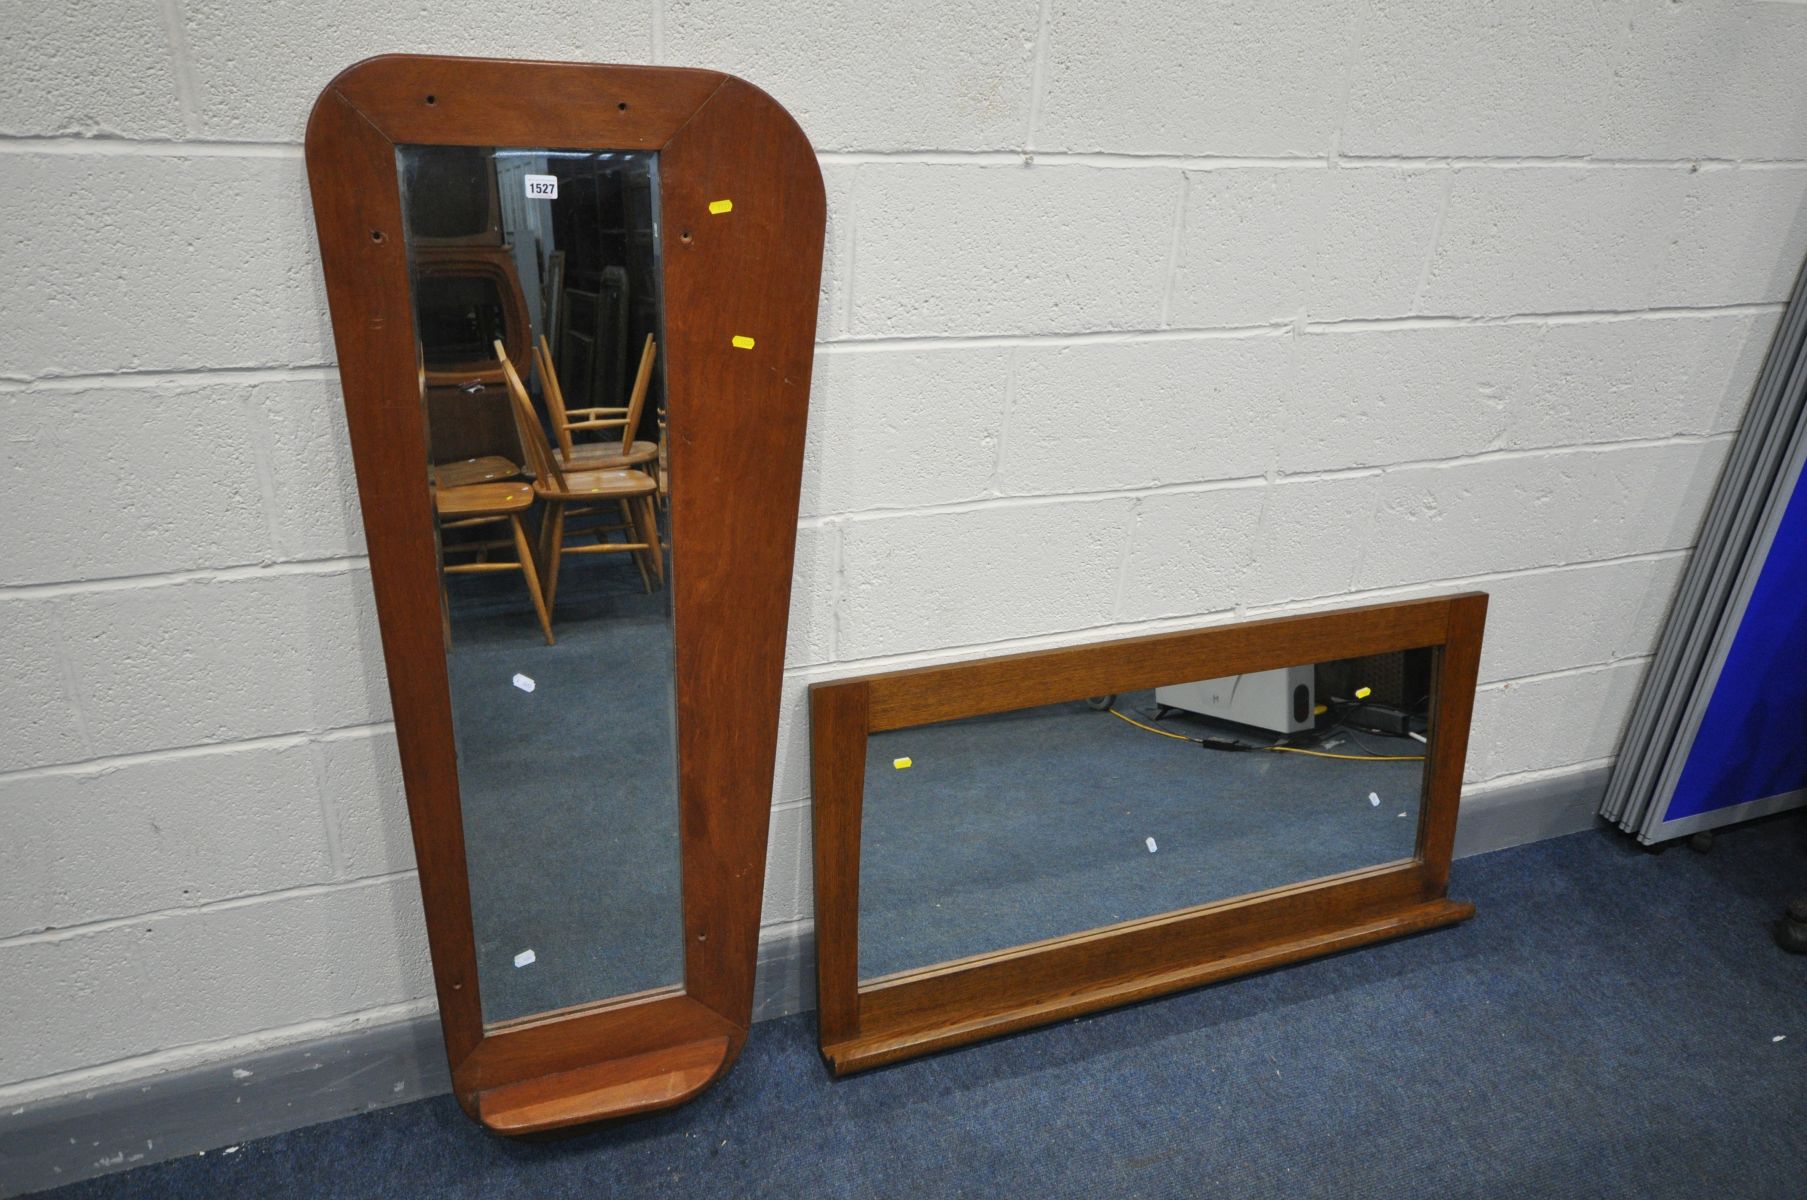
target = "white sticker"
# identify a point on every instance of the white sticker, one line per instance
(542, 187)
(524, 959)
(1402, 814)
(1374, 799)
(524, 683)
(1151, 846)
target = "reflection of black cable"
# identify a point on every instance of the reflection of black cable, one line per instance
(1276, 748)
(1351, 730)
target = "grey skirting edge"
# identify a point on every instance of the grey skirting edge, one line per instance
(98, 1131)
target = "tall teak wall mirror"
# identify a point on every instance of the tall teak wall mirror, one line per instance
(575, 312)
(1009, 841)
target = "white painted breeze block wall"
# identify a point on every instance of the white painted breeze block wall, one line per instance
(1135, 316)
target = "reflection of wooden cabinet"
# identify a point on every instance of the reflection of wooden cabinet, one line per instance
(604, 226)
(451, 196)
(470, 423)
(592, 340)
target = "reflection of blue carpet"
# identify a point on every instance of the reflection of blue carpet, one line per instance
(1601, 1029)
(1028, 825)
(569, 794)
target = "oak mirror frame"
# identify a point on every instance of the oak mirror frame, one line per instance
(740, 296)
(865, 1023)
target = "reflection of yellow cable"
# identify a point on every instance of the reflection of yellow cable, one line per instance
(1279, 749)
(1175, 736)
(1350, 757)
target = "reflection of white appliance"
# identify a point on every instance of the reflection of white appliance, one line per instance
(1279, 700)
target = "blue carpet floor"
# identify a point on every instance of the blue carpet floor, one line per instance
(1603, 1028)
(569, 792)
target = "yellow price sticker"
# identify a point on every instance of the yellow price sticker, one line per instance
(742, 342)
(718, 207)
(900, 763)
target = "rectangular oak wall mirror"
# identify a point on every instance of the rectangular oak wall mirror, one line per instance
(1010, 841)
(575, 313)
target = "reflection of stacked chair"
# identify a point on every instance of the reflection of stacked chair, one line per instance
(585, 492)
(584, 456)
(467, 298)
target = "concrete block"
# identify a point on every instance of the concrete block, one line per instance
(1238, 78)
(110, 481)
(809, 637)
(1567, 239)
(1265, 244)
(1709, 81)
(114, 481)
(965, 250)
(1369, 397)
(76, 68)
(790, 774)
(903, 428)
(39, 709)
(361, 787)
(837, 254)
(789, 878)
(979, 575)
(956, 71)
(212, 661)
(1189, 552)
(1374, 397)
(313, 487)
(1644, 378)
(1596, 613)
(1622, 80)
(1106, 416)
(1314, 534)
(259, 64)
(1551, 721)
(121, 990)
(1460, 79)
(1505, 514)
(147, 262)
(157, 834)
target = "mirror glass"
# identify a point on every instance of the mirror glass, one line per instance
(996, 831)
(537, 312)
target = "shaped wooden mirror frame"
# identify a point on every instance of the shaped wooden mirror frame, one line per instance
(941, 1005)
(736, 430)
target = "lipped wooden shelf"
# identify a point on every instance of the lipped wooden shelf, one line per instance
(887, 1037)
(623, 1087)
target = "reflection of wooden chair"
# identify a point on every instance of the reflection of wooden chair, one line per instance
(591, 456)
(486, 504)
(490, 468)
(584, 493)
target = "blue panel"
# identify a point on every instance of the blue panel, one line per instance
(1752, 742)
